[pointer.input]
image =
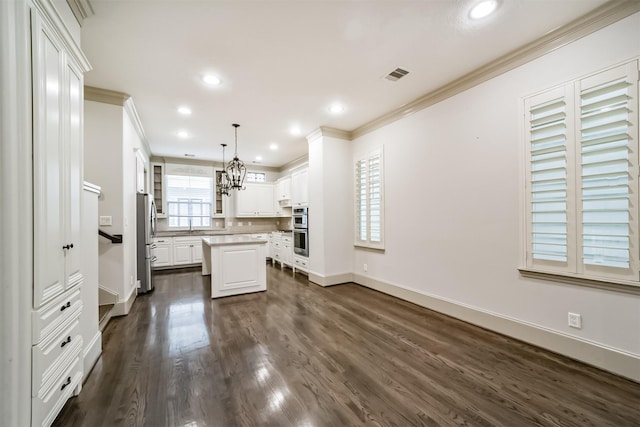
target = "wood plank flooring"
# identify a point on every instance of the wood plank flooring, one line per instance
(302, 355)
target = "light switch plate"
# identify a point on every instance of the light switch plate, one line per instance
(106, 220)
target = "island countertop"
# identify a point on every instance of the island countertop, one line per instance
(231, 240)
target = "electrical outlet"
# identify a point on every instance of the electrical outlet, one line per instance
(230, 224)
(575, 320)
(106, 220)
(365, 267)
(249, 223)
(217, 224)
(239, 223)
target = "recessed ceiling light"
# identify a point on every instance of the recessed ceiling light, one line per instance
(212, 80)
(258, 158)
(484, 8)
(295, 130)
(183, 134)
(336, 109)
(273, 146)
(184, 110)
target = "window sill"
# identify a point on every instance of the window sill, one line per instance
(623, 286)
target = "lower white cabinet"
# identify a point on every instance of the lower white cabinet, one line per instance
(162, 252)
(57, 361)
(282, 248)
(300, 263)
(187, 250)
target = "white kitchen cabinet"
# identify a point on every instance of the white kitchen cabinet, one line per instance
(162, 252)
(187, 250)
(57, 95)
(57, 171)
(300, 188)
(282, 248)
(300, 263)
(257, 199)
(220, 200)
(158, 190)
(283, 190)
(139, 173)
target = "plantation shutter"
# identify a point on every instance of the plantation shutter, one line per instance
(369, 201)
(608, 179)
(549, 225)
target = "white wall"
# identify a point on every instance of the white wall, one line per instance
(453, 201)
(103, 166)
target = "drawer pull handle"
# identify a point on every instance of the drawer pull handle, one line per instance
(65, 306)
(66, 384)
(67, 341)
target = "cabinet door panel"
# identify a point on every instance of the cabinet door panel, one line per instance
(48, 266)
(182, 254)
(163, 256)
(73, 182)
(196, 252)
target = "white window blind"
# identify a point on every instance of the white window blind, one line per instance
(189, 201)
(582, 177)
(256, 177)
(369, 201)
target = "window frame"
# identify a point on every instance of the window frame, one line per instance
(368, 242)
(189, 203)
(575, 270)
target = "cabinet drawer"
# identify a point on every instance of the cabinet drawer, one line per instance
(48, 403)
(301, 263)
(52, 352)
(163, 240)
(49, 318)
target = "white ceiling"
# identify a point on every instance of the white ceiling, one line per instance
(283, 63)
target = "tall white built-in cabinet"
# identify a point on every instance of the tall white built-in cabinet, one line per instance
(57, 91)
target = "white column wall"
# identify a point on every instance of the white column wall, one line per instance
(330, 209)
(454, 202)
(130, 142)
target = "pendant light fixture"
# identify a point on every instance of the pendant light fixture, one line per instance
(236, 170)
(222, 179)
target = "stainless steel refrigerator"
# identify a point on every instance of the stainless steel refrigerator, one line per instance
(145, 230)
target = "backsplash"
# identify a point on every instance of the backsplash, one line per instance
(240, 225)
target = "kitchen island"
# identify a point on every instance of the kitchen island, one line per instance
(237, 264)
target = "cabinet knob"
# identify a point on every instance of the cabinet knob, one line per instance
(65, 342)
(65, 306)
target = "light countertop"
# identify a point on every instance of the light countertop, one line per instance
(231, 240)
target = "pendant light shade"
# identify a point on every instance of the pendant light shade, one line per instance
(222, 179)
(236, 171)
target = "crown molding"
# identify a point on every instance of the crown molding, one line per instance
(81, 9)
(131, 111)
(330, 132)
(105, 96)
(58, 26)
(597, 19)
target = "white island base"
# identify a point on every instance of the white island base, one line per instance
(237, 264)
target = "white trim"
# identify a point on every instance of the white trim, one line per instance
(130, 108)
(122, 308)
(91, 353)
(334, 279)
(87, 186)
(614, 285)
(601, 356)
(16, 214)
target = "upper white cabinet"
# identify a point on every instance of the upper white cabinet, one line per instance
(300, 188)
(219, 207)
(157, 189)
(57, 171)
(257, 199)
(283, 190)
(139, 173)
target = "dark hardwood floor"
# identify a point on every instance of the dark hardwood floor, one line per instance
(302, 355)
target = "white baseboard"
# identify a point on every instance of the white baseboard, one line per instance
(91, 352)
(606, 358)
(334, 279)
(121, 308)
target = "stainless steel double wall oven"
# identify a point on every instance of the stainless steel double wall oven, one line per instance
(301, 231)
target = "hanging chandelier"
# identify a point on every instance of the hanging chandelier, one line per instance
(236, 170)
(223, 182)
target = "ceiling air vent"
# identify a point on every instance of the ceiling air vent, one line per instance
(396, 74)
